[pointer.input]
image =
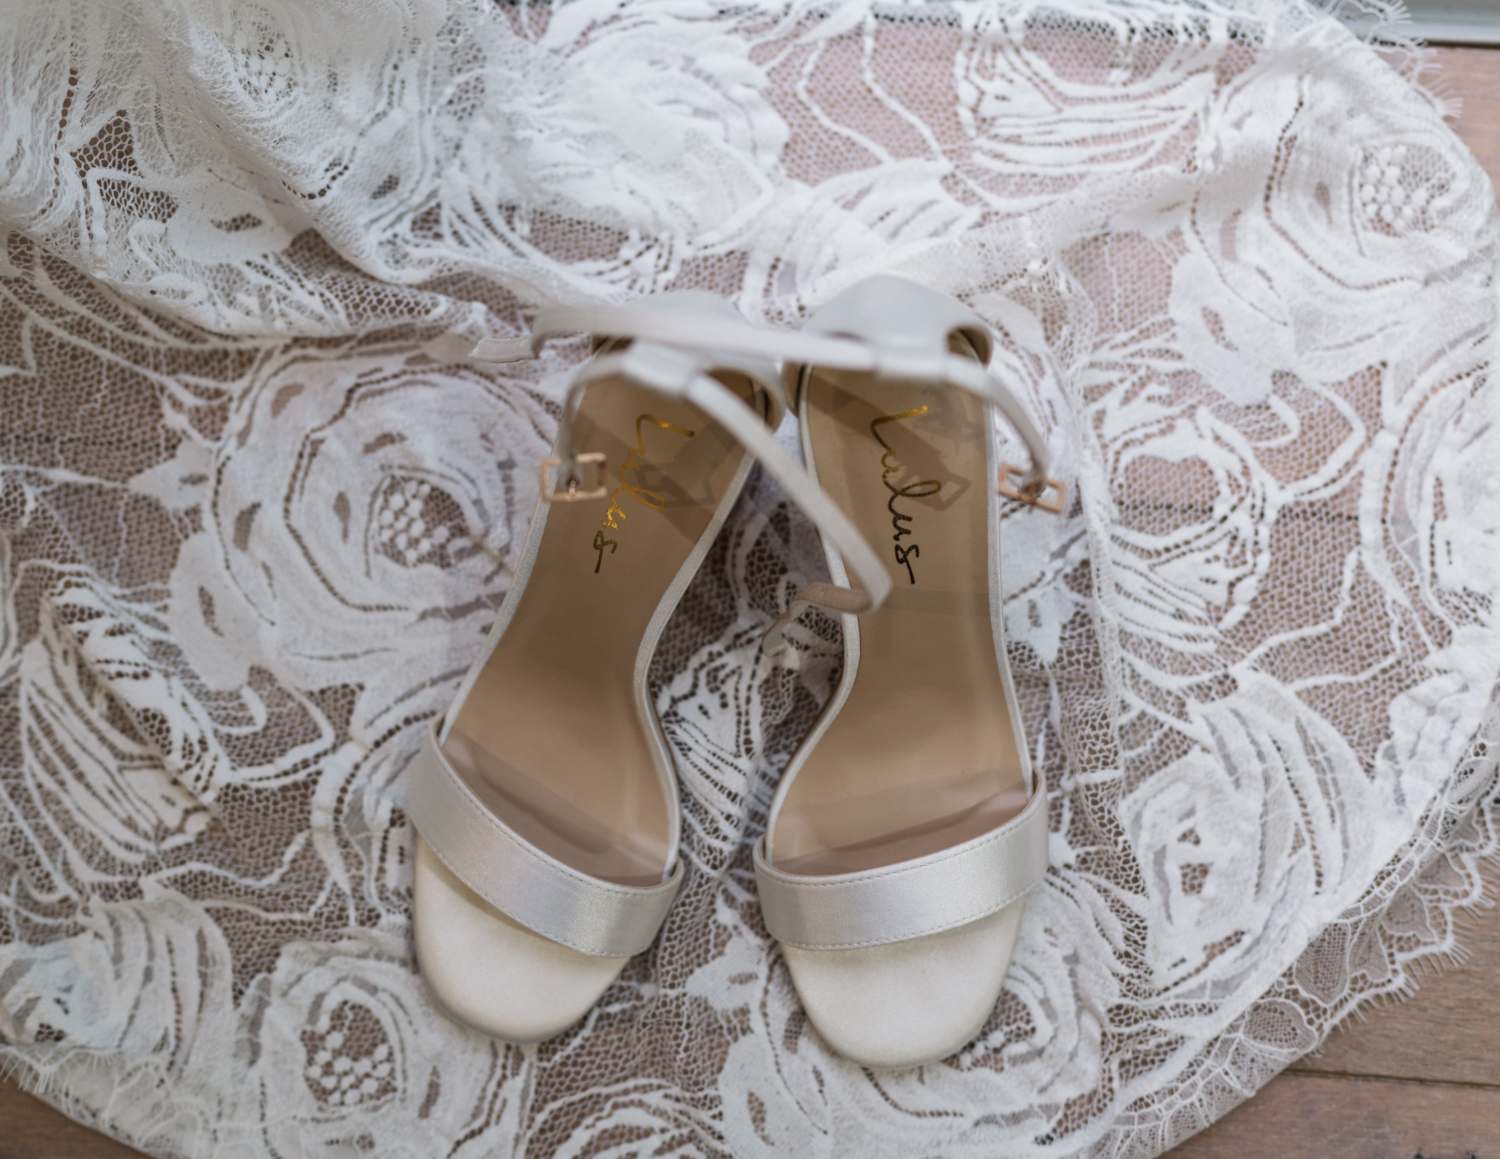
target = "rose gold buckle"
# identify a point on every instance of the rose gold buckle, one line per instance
(573, 494)
(1031, 496)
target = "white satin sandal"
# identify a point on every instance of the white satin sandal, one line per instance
(909, 825)
(545, 799)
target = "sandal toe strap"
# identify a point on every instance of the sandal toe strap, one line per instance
(911, 899)
(557, 901)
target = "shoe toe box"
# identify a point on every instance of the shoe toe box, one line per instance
(907, 1003)
(491, 973)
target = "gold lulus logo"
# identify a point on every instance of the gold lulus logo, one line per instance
(891, 465)
(634, 461)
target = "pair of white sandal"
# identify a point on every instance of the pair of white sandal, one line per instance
(908, 826)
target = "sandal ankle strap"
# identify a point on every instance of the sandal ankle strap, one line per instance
(798, 348)
(673, 352)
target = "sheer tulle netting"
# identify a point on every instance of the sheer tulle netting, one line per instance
(256, 512)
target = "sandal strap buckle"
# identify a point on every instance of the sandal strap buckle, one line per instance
(572, 491)
(1013, 485)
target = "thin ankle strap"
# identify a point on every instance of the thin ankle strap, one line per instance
(672, 354)
(691, 331)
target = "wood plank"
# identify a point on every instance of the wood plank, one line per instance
(1342, 1118)
(1449, 1031)
(1473, 75)
(30, 1129)
(1452, 21)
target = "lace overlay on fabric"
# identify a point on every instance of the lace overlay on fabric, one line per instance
(257, 512)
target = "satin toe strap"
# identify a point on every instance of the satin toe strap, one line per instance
(912, 899)
(557, 901)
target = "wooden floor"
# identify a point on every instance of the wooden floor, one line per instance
(1415, 1080)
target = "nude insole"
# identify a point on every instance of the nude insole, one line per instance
(922, 755)
(549, 738)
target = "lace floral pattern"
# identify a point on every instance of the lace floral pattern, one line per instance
(257, 512)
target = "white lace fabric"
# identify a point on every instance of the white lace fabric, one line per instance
(256, 514)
